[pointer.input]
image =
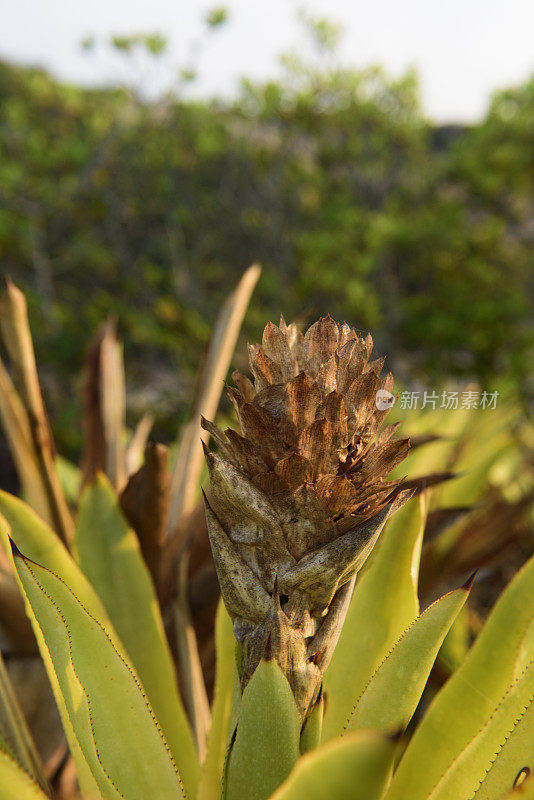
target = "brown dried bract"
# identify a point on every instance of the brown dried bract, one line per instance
(301, 493)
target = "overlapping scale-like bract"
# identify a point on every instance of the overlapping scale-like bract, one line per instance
(299, 496)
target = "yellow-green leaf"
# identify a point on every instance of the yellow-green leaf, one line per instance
(310, 738)
(110, 715)
(266, 745)
(515, 759)
(391, 696)
(109, 554)
(488, 766)
(212, 770)
(384, 604)
(15, 783)
(40, 543)
(15, 738)
(501, 653)
(485, 441)
(70, 478)
(354, 767)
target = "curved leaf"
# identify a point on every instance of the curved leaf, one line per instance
(516, 757)
(391, 696)
(212, 770)
(355, 767)
(384, 604)
(469, 775)
(266, 745)
(15, 738)
(112, 719)
(15, 783)
(109, 554)
(39, 543)
(500, 654)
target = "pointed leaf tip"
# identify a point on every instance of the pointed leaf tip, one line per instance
(14, 549)
(208, 455)
(469, 582)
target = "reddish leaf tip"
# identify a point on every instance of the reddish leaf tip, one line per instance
(469, 582)
(14, 549)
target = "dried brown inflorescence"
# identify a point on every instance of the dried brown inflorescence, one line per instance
(300, 496)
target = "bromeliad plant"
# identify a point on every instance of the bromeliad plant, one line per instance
(317, 677)
(300, 498)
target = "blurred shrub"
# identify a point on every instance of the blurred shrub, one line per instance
(354, 204)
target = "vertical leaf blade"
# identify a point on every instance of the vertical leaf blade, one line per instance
(14, 731)
(189, 463)
(383, 605)
(266, 746)
(17, 338)
(212, 770)
(499, 655)
(110, 715)
(489, 764)
(109, 555)
(391, 696)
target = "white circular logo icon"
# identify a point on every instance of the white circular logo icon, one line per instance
(384, 400)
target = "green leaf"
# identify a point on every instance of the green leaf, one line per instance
(70, 478)
(456, 644)
(41, 544)
(111, 717)
(437, 455)
(212, 770)
(354, 767)
(391, 696)
(266, 745)
(485, 441)
(310, 738)
(38, 542)
(109, 555)
(490, 763)
(384, 604)
(502, 651)
(15, 783)
(515, 758)
(15, 738)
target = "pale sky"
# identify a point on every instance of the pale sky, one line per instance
(462, 49)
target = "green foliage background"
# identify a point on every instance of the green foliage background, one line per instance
(353, 202)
